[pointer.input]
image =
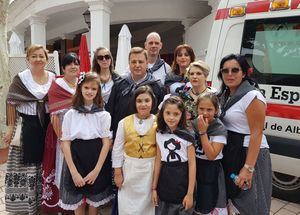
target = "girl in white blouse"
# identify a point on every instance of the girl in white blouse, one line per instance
(86, 176)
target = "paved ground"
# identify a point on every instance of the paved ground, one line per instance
(278, 207)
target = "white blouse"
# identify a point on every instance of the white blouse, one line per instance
(141, 127)
(217, 139)
(38, 90)
(236, 119)
(61, 82)
(171, 141)
(86, 126)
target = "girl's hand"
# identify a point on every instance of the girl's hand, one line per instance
(154, 198)
(244, 179)
(119, 180)
(77, 179)
(187, 201)
(202, 124)
(91, 177)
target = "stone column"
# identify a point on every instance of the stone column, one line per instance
(100, 23)
(38, 30)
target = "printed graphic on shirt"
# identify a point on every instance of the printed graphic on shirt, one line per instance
(173, 145)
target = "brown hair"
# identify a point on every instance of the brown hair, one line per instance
(32, 48)
(78, 99)
(141, 90)
(190, 51)
(161, 124)
(96, 67)
(212, 97)
(137, 50)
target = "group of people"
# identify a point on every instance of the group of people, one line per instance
(157, 141)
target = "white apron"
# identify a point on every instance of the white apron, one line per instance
(134, 197)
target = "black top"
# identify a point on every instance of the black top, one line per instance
(119, 103)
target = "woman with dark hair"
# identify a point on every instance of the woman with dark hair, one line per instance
(103, 65)
(27, 98)
(247, 151)
(60, 101)
(176, 79)
(133, 155)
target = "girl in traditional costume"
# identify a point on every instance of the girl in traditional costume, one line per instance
(86, 175)
(27, 97)
(133, 155)
(175, 167)
(60, 101)
(210, 136)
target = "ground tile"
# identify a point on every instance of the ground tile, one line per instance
(293, 207)
(284, 211)
(276, 204)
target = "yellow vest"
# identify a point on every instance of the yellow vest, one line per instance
(139, 146)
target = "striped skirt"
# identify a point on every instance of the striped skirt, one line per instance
(23, 184)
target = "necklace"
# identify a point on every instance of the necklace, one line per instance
(197, 94)
(141, 120)
(72, 85)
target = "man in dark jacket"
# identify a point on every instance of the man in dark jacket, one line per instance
(119, 104)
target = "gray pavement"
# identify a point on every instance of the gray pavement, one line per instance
(278, 207)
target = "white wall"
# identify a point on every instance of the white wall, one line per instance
(197, 36)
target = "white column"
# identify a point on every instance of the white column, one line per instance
(38, 30)
(100, 23)
(21, 34)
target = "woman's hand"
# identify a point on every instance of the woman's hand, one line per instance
(7, 138)
(91, 177)
(119, 180)
(154, 198)
(187, 201)
(202, 124)
(77, 179)
(244, 179)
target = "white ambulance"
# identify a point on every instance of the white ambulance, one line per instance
(267, 32)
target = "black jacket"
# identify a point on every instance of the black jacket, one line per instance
(120, 102)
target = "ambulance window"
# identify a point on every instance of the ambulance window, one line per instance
(272, 47)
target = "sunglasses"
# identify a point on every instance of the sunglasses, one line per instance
(102, 57)
(233, 70)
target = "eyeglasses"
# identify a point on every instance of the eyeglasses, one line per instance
(233, 70)
(102, 57)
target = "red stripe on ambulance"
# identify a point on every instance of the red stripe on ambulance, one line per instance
(222, 14)
(258, 6)
(283, 111)
(295, 4)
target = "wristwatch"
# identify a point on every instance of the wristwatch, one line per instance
(249, 168)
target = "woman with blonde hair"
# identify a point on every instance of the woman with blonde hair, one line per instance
(27, 97)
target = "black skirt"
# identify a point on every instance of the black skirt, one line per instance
(207, 185)
(173, 182)
(85, 155)
(234, 157)
(33, 138)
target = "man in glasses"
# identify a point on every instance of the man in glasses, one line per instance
(157, 66)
